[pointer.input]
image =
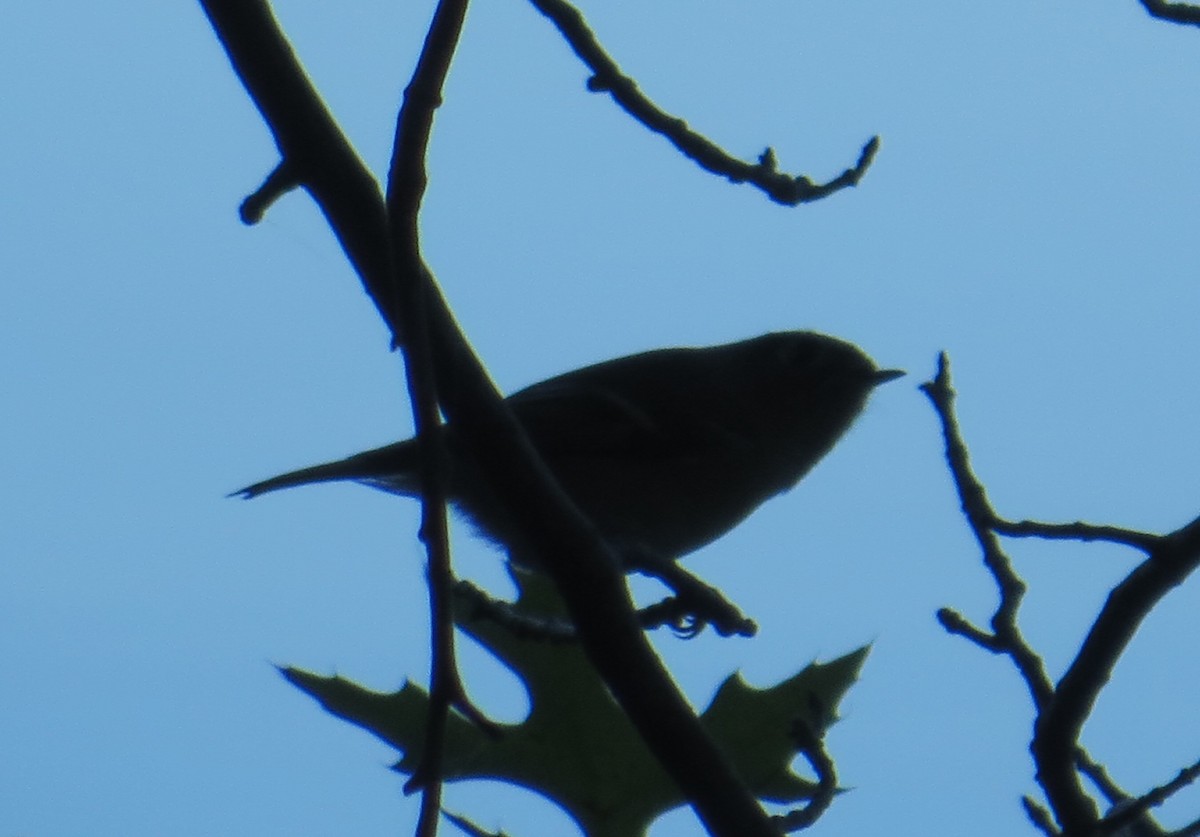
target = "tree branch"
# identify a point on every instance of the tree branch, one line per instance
(813, 749)
(311, 145)
(1006, 636)
(407, 181)
(1063, 708)
(1058, 728)
(1129, 809)
(1184, 13)
(607, 77)
(1077, 531)
(583, 567)
(1039, 816)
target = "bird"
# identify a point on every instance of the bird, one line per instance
(664, 451)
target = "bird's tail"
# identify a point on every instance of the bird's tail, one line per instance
(391, 468)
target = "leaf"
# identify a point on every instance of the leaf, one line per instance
(576, 747)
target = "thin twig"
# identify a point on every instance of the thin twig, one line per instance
(478, 605)
(278, 183)
(1006, 635)
(813, 749)
(407, 180)
(1039, 816)
(1077, 531)
(1058, 728)
(1062, 708)
(1130, 809)
(955, 623)
(607, 77)
(1098, 774)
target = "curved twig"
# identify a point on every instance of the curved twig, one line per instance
(1063, 707)
(783, 188)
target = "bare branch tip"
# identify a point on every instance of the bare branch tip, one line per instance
(278, 183)
(865, 158)
(943, 372)
(1039, 816)
(956, 624)
(939, 387)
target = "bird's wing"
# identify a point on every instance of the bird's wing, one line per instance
(576, 416)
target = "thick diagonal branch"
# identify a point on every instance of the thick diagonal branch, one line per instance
(586, 572)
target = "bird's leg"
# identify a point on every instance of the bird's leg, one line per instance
(695, 604)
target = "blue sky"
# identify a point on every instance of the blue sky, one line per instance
(1032, 211)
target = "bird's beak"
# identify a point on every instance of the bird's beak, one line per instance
(882, 376)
